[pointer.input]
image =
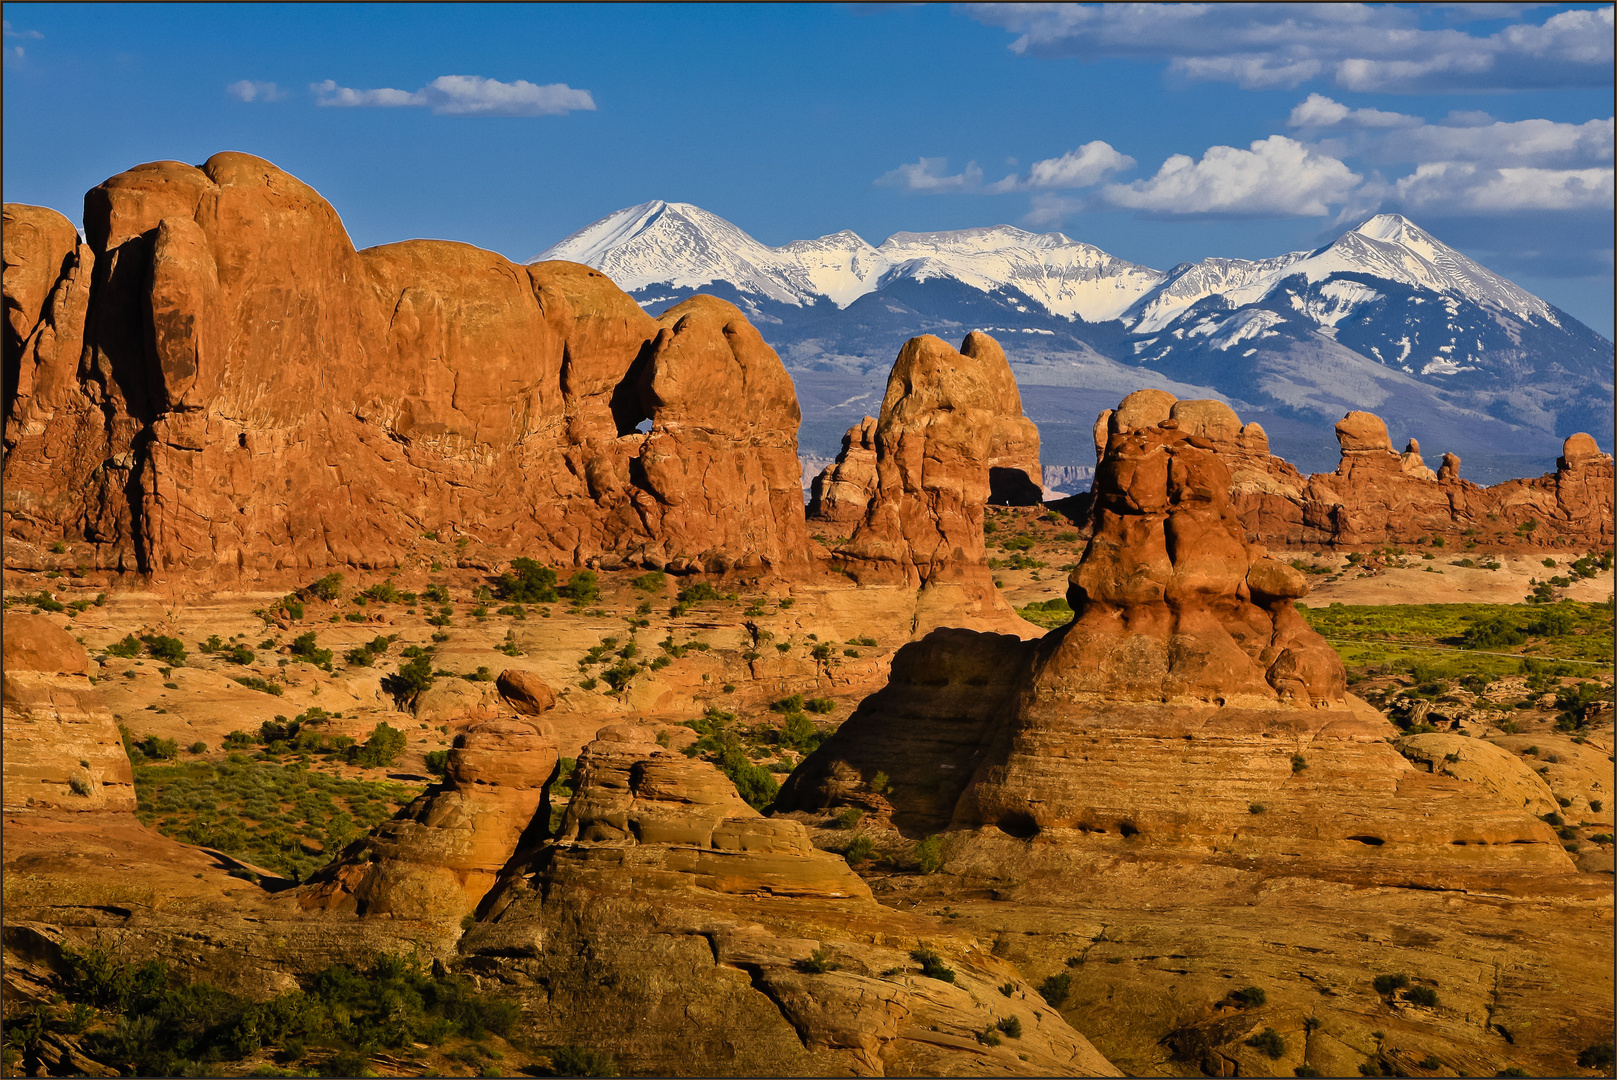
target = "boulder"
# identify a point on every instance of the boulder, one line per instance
(441, 854)
(525, 692)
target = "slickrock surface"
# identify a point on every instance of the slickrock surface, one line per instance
(1186, 713)
(62, 747)
(440, 856)
(681, 929)
(218, 386)
(1378, 496)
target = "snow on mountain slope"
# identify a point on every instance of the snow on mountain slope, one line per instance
(1387, 246)
(684, 246)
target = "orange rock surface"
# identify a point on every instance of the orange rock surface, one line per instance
(218, 386)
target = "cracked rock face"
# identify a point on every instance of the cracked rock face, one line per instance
(1187, 712)
(216, 385)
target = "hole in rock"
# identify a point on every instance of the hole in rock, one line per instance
(1021, 826)
(1127, 830)
(1373, 841)
(629, 408)
(1012, 487)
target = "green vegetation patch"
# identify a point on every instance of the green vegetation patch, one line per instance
(1048, 613)
(1568, 630)
(144, 1021)
(287, 818)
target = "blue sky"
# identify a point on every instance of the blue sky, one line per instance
(1159, 133)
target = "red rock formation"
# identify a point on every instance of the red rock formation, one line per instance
(1185, 692)
(950, 439)
(1377, 496)
(217, 385)
(841, 494)
(63, 750)
(443, 852)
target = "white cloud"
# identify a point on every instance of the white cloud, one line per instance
(463, 95)
(1451, 187)
(26, 35)
(1049, 211)
(1083, 167)
(248, 90)
(1319, 111)
(1358, 46)
(1531, 143)
(1277, 177)
(1089, 164)
(927, 176)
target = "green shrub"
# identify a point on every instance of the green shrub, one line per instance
(167, 649)
(929, 854)
(304, 647)
(1250, 997)
(582, 588)
(328, 587)
(1056, 989)
(818, 963)
(932, 965)
(581, 1061)
(1269, 1041)
(1387, 985)
(414, 676)
(381, 749)
(1298, 763)
(653, 581)
(127, 649)
(527, 582)
(438, 762)
(1424, 996)
(860, 848)
(1011, 1026)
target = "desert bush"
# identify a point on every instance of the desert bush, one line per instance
(932, 965)
(1250, 997)
(1386, 985)
(1269, 1041)
(581, 1061)
(929, 855)
(860, 848)
(1421, 995)
(167, 649)
(582, 588)
(818, 963)
(327, 588)
(527, 582)
(1056, 989)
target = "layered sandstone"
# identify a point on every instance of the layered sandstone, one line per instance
(440, 856)
(951, 438)
(688, 934)
(63, 750)
(217, 385)
(1379, 496)
(1186, 713)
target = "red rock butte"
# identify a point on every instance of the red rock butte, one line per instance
(215, 385)
(1187, 713)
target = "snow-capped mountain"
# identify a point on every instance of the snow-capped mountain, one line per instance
(683, 246)
(1386, 318)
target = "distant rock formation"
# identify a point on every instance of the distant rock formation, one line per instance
(1378, 496)
(1187, 713)
(951, 439)
(216, 385)
(840, 495)
(63, 750)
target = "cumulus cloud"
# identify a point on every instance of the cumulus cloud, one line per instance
(248, 90)
(1087, 165)
(1277, 177)
(463, 95)
(928, 177)
(1358, 46)
(1450, 187)
(25, 35)
(1319, 111)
